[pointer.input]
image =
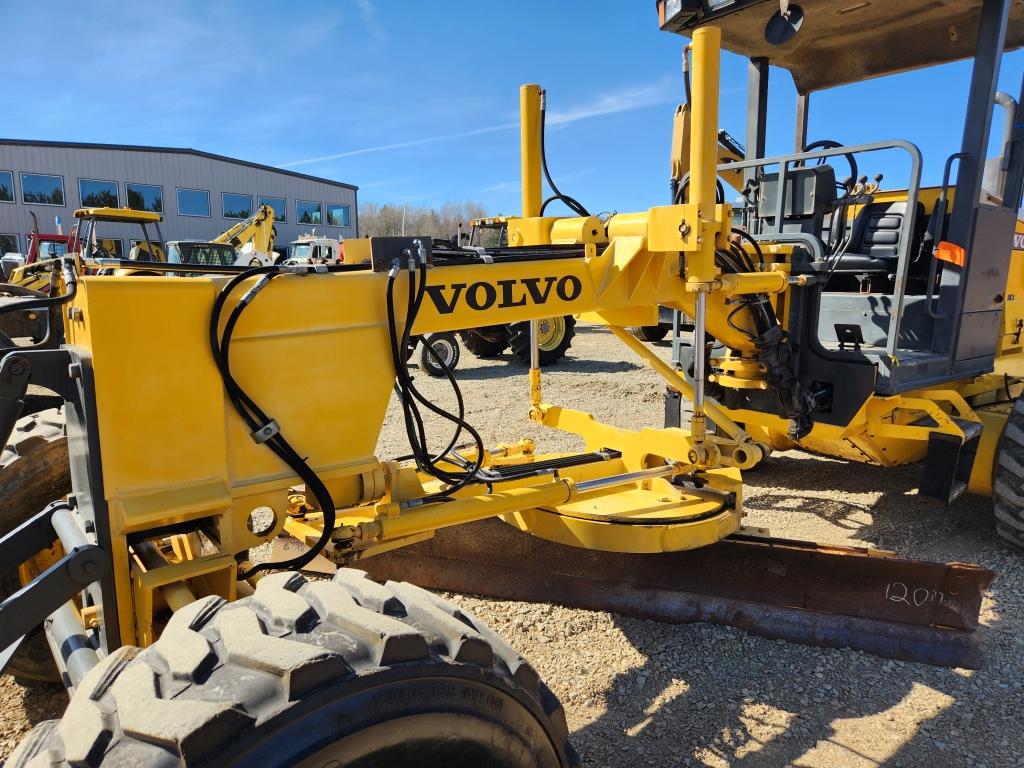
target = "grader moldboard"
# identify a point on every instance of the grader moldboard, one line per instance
(183, 433)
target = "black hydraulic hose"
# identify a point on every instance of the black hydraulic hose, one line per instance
(411, 398)
(257, 420)
(680, 191)
(404, 386)
(70, 281)
(409, 394)
(754, 244)
(571, 203)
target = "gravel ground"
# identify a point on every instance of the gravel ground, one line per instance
(643, 693)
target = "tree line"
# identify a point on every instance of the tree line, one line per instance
(391, 219)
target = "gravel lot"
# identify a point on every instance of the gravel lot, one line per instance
(643, 693)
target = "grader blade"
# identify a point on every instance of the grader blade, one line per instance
(840, 597)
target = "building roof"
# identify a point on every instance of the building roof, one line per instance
(173, 150)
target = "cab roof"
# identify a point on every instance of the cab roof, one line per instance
(118, 215)
(845, 41)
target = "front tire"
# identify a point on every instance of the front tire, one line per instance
(34, 470)
(650, 333)
(555, 336)
(1008, 479)
(342, 673)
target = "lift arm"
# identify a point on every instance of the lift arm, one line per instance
(258, 229)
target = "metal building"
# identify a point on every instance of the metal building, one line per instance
(199, 194)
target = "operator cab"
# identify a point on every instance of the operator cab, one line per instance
(312, 249)
(904, 284)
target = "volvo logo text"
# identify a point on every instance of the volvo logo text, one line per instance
(504, 293)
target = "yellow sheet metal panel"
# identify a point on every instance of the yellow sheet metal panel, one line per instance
(994, 418)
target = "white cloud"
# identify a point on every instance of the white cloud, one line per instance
(501, 186)
(622, 100)
(401, 144)
(368, 13)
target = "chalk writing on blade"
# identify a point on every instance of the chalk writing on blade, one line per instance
(898, 592)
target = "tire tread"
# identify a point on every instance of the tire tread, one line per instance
(176, 702)
(1008, 479)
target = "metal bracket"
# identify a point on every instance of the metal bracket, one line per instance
(83, 564)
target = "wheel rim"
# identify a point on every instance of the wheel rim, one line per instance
(444, 350)
(550, 332)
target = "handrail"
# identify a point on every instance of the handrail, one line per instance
(913, 190)
(939, 221)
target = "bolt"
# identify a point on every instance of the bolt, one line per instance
(685, 229)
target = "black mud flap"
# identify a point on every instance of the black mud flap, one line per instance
(948, 464)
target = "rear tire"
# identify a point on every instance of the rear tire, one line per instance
(1008, 479)
(340, 673)
(34, 471)
(489, 341)
(555, 340)
(650, 333)
(446, 346)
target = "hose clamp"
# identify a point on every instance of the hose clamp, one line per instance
(267, 431)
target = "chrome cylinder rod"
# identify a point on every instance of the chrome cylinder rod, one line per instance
(601, 483)
(699, 324)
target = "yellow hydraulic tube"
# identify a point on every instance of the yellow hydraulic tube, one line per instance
(730, 427)
(700, 265)
(529, 151)
(400, 522)
(754, 282)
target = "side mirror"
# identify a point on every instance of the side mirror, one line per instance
(784, 23)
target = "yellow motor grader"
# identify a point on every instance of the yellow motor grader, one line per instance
(130, 566)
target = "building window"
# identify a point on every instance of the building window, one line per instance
(40, 189)
(308, 212)
(236, 206)
(98, 194)
(6, 187)
(279, 205)
(8, 244)
(145, 197)
(193, 202)
(337, 215)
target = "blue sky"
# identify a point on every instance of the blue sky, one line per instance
(417, 102)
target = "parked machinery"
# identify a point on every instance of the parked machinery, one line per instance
(555, 334)
(34, 276)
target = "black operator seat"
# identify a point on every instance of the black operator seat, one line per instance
(875, 239)
(810, 197)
